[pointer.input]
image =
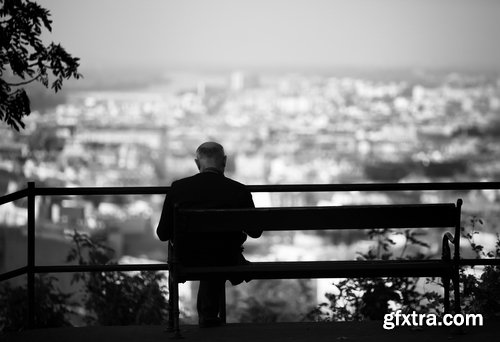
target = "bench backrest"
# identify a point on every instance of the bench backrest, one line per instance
(320, 218)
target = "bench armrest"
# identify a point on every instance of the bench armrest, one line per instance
(170, 251)
(449, 236)
(446, 252)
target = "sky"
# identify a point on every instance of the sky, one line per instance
(452, 34)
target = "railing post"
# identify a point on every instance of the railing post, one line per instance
(173, 268)
(170, 326)
(31, 255)
(456, 258)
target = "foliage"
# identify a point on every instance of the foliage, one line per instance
(481, 295)
(51, 305)
(25, 59)
(117, 298)
(372, 298)
(356, 299)
(273, 300)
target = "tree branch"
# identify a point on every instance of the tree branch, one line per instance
(24, 82)
(36, 64)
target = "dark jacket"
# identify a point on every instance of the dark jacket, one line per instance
(207, 190)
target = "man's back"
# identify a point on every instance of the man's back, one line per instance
(210, 189)
(206, 190)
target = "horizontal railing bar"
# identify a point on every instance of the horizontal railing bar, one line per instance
(375, 187)
(152, 190)
(13, 273)
(72, 191)
(13, 196)
(483, 262)
(157, 267)
(101, 268)
(163, 267)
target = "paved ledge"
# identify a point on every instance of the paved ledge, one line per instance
(369, 331)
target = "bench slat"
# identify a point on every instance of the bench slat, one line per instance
(321, 269)
(320, 218)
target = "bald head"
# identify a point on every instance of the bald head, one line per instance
(210, 155)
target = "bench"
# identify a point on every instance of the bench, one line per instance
(319, 218)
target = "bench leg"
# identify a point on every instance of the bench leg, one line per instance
(175, 307)
(222, 303)
(170, 326)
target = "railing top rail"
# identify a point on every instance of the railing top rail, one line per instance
(155, 190)
(129, 190)
(375, 187)
(13, 196)
(152, 190)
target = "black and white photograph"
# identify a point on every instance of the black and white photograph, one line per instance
(249, 170)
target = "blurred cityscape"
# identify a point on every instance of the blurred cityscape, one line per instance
(277, 128)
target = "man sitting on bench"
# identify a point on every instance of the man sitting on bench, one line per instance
(209, 189)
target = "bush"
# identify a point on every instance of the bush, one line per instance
(481, 295)
(271, 300)
(372, 298)
(117, 298)
(51, 305)
(357, 299)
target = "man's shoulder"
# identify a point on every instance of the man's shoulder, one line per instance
(239, 190)
(184, 184)
(234, 183)
(231, 183)
(201, 179)
(184, 181)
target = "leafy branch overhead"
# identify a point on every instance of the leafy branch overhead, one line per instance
(24, 58)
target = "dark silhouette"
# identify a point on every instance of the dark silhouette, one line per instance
(209, 189)
(25, 59)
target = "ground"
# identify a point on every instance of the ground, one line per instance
(294, 332)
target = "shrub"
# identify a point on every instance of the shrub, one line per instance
(356, 299)
(52, 306)
(117, 298)
(372, 298)
(481, 294)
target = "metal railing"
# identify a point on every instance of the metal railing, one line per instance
(31, 192)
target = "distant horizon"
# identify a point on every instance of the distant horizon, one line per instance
(140, 76)
(287, 69)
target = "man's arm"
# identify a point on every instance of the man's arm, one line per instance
(248, 203)
(165, 226)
